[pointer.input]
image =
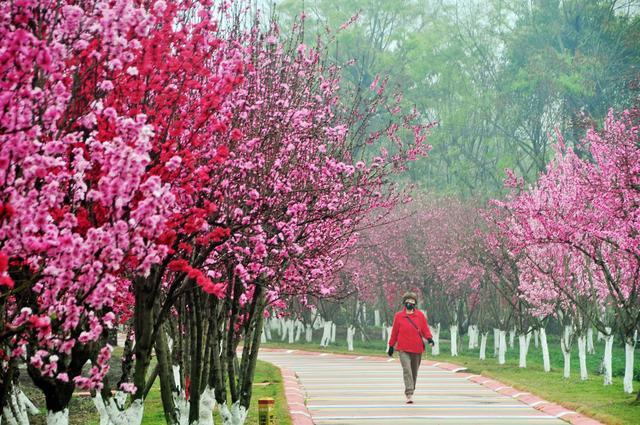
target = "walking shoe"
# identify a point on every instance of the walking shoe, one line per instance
(409, 399)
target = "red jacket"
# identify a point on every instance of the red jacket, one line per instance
(406, 335)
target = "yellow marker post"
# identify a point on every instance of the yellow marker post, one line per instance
(265, 411)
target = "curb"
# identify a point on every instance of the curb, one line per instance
(300, 414)
(295, 395)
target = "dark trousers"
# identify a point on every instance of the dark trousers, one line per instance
(410, 363)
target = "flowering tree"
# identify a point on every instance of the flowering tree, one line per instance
(589, 207)
(97, 101)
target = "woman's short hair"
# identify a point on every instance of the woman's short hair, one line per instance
(409, 295)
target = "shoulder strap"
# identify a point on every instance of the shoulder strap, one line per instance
(414, 325)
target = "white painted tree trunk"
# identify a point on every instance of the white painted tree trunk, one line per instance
(237, 415)
(565, 345)
(496, 341)
(502, 349)
(590, 348)
(453, 329)
(435, 335)
(483, 345)
(546, 363)
(473, 337)
(299, 329)
(18, 407)
(523, 341)
(326, 334)
(600, 336)
(607, 360)
(629, 348)
(512, 338)
(113, 411)
(384, 332)
(267, 331)
(58, 418)
(263, 335)
(536, 338)
(351, 331)
(333, 333)
(283, 330)
(308, 335)
(376, 318)
(582, 357)
(207, 403)
(389, 328)
(291, 331)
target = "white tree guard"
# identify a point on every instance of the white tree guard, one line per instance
(299, 330)
(536, 338)
(512, 338)
(333, 333)
(496, 341)
(284, 330)
(376, 318)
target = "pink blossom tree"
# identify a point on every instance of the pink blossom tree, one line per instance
(589, 207)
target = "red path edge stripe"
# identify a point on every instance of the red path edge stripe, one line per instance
(300, 415)
(294, 393)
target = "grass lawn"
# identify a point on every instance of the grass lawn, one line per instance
(607, 404)
(267, 383)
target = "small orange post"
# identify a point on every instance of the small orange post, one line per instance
(265, 412)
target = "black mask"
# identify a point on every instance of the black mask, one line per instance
(410, 306)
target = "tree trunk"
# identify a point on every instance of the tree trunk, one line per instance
(502, 349)
(536, 338)
(565, 345)
(607, 365)
(351, 331)
(308, 335)
(629, 348)
(326, 334)
(512, 338)
(483, 345)
(582, 356)
(453, 329)
(168, 387)
(524, 349)
(496, 341)
(376, 318)
(435, 334)
(546, 363)
(590, 347)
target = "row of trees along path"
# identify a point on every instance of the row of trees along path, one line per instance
(562, 252)
(172, 168)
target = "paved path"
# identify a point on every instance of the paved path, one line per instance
(368, 390)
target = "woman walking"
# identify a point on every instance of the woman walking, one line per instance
(409, 335)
